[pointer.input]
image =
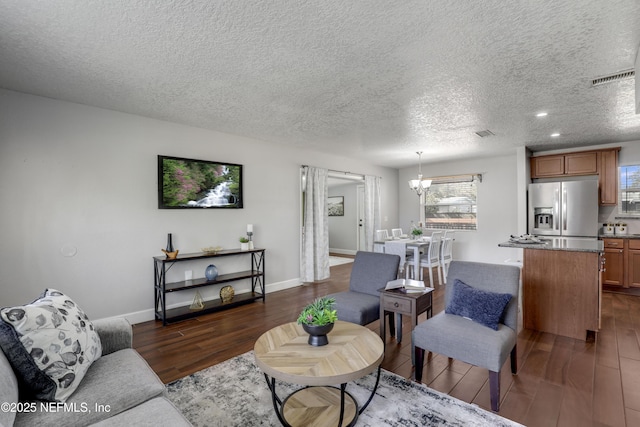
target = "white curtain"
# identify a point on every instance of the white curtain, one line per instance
(371, 209)
(314, 260)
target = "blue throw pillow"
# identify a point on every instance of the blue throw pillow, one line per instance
(480, 306)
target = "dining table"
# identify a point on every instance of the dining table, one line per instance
(399, 246)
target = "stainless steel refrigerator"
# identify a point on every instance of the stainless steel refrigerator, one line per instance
(567, 208)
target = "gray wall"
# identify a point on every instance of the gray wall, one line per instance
(73, 176)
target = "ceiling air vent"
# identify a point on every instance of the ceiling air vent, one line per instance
(484, 133)
(622, 75)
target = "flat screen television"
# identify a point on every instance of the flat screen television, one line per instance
(198, 184)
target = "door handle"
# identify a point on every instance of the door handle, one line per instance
(564, 209)
(556, 211)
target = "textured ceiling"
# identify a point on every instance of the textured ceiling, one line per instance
(376, 80)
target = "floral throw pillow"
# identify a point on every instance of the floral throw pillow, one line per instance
(50, 344)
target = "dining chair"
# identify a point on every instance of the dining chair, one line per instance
(479, 323)
(396, 232)
(446, 253)
(430, 259)
(382, 234)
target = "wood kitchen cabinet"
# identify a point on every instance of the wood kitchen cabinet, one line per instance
(561, 292)
(622, 263)
(608, 177)
(547, 166)
(581, 163)
(603, 163)
(614, 255)
(633, 263)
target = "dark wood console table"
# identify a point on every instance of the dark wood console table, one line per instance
(161, 265)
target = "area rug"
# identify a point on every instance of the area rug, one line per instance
(235, 393)
(338, 260)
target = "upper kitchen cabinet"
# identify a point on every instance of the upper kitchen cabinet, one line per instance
(547, 166)
(608, 179)
(583, 163)
(603, 163)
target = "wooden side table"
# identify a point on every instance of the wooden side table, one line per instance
(401, 302)
(283, 353)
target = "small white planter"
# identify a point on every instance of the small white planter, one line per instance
(244, 246)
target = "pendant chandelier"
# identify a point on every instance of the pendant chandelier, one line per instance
(419, 185)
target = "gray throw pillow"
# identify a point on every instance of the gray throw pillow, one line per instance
(50, 344)
(480, 306)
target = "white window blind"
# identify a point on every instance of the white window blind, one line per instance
(629, 190)
(451, 203)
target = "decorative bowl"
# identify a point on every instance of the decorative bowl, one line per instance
(211, 249)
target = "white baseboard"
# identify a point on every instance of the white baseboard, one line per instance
(343, 251)
(146, 315)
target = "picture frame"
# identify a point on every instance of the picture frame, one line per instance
(336, 205)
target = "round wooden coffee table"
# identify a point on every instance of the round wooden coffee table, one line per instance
(284, 354)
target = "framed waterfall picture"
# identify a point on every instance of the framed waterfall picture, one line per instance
(198, 184)
(336, 205)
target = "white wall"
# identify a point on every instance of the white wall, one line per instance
(73, 176)
(497, 206)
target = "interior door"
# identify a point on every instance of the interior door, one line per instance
(360, 227)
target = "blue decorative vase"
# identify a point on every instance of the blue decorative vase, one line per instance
(211, 272)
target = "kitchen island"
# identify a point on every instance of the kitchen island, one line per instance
(561, 290)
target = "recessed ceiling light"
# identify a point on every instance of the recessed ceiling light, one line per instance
(542, 114)
(554, 135)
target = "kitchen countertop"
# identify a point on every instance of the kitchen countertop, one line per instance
(560, 244)
(619, 236)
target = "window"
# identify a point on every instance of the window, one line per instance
(451, 203)
(629, 197)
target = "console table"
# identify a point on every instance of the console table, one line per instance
(162, 264)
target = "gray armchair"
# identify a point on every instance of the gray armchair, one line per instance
(462, 339)
(370, 272)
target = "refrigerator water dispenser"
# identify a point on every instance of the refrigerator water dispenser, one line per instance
(543, 217)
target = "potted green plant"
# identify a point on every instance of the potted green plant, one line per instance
(317, 319)
(244, 243)
(416, 232)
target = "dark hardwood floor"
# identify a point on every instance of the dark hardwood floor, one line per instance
(561, 381)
